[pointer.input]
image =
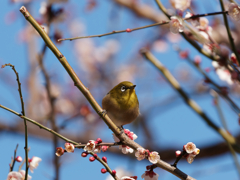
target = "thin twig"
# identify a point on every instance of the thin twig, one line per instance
(229, 33)
(101, 144)
(192, 42)
(142, 27)
(23, 113)
(14, 159)
(168, 76)
(105, 165)
(39, 125)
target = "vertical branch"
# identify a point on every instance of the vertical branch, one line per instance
(233, 47)
(222, 118)
(23, 113)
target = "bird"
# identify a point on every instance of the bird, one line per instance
(121, 104)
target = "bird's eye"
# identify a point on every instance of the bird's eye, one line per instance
(123, 88)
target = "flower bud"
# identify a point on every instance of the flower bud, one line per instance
(104, 159)
(18, 159)
(91, 159)
(84, 154)
(103, 170)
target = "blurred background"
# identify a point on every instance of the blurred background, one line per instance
(166, 123)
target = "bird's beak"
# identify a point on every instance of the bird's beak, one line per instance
(132, 87)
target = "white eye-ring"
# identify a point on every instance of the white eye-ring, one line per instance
(123, 88)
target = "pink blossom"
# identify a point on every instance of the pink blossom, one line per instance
(190, 158)
(153, 157)
(190, 147)
(234, 11)
(34, 163)
(176, 24)
(131, 135)
(104, 148)
(150, 175)
(181, 4)
(140, 154)
(14, 176)
(196, 151)
(193, 21)
(69, 147)
(126, 149)
(97, 149)
(90, 146)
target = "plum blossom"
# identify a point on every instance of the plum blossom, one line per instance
(69, 147)
(190, 158)
(153, 157)
(34, 163)
(234, 11)
(131, 135)
(14, 176)
(22, 172)
(97, 149)
(104, 148)
(222, 72)
(192, 151)
(181, 4)
(126, 149)
(59, 152)
(140, 154)
(176, 24)
(150, 175)
(90, 146)
(189, 147)
(194, 21)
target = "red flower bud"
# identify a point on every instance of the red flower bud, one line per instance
(99, 140)
(113, 172)
(104, 158)
(103, 170)
(128, 30)
(84, 154)
(91, 159)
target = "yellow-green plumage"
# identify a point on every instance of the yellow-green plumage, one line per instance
(121, 104)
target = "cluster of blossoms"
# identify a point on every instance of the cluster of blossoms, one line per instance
(91, 146)
(33, 164)
(125, 149)
(69, 147)
(191, 150)
(153, 157)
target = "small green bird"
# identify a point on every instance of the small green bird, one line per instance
(121, 103)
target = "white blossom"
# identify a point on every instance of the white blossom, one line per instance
(176, 24)
(34, 163)
(153, 157)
